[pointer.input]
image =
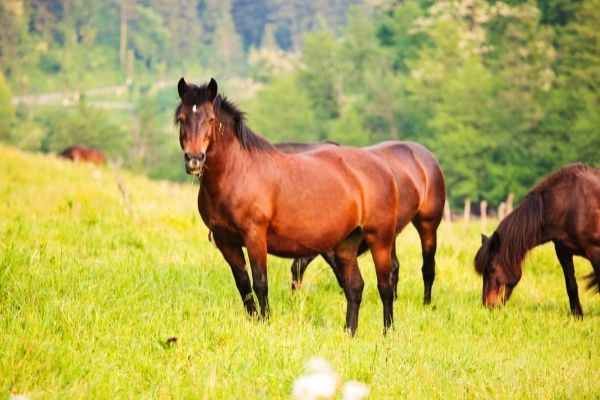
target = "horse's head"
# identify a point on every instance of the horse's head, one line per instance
(498, 280)
(197, 123)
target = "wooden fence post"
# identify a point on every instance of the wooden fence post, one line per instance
(467, 212)
(447, 213)
(483, 215)
(501, 211)
(509, 203)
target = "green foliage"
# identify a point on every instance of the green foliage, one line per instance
(321, 78)
(7, 113)
(349, 129)
(282, 112)
(82, 125)
(149, 38)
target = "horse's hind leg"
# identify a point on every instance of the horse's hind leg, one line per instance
(395, 270)
(565, 258)
(329, 258)
(298, 268)
(345, 255)
(427, 229)
(395, 264)
(381, 250)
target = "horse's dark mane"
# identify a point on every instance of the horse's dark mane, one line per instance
(518, 232)
(227, 109)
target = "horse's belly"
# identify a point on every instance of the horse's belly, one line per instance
(304, 237)
(297, 247)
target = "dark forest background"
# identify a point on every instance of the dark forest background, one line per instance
(502, 92)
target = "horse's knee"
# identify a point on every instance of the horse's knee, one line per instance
(260, 288)
(354, 290)
(386, 291)
(428, 272)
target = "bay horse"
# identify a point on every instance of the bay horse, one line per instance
(564, 208)
(82, 153)
(255, 196)
(422, 192)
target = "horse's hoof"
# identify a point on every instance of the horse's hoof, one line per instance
(577, 314)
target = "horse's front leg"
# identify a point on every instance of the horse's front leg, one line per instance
(256, 245)
(235, 258)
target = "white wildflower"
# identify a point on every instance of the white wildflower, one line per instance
(320, 381)
(355, 390)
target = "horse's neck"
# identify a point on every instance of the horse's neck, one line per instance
(227, 161)
(519, 235)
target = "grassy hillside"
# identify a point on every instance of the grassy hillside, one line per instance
(91, 291)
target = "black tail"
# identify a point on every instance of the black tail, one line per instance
(593, 283)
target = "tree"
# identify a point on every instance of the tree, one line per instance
(147, 138)
(322, 76)
(148, 37)
(7, 113)
(577, 98)
(82, 125)
(184, 26)
(282, 112)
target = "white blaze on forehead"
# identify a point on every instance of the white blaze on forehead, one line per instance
(194, 109)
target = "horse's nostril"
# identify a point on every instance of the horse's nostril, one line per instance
(201, 156)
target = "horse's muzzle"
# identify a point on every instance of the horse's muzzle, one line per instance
(194, 163)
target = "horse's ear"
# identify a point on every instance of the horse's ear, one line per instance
(484, 238)
(495, 242)
(212, 89)
(181, 87)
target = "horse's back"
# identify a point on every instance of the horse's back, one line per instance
(81, 153)
(571, 206)
(417, 173)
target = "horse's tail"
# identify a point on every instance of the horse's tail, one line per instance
(592, 282)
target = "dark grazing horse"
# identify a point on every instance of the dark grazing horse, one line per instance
(82, 153)
(255, 196)
(422, 193)
(564, 208)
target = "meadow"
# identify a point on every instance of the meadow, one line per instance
(93, 288)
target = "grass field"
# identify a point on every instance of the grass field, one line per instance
(91, 291)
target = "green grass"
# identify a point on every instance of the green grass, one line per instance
(90, 292)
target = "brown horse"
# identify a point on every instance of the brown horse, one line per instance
(422, 193)
(564, 208)
(82, 153)
(253, 195)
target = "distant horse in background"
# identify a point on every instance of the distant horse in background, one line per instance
(563, 208)
(257, 197)
(422, 193)
(82, 153)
